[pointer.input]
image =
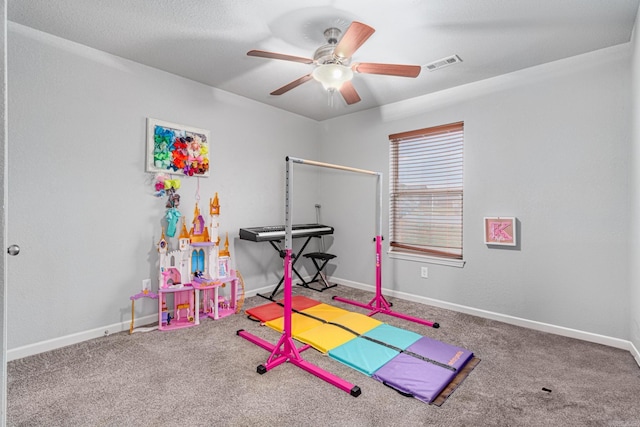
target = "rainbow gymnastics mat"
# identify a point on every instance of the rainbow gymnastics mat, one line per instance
(412, 364)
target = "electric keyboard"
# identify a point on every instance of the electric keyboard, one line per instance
(276, 232)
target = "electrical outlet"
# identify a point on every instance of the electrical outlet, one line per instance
(424, 272)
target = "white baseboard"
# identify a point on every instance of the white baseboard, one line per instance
(635, 353)
(266, 290)
(29, 350)
(52, 344)
(517, 321)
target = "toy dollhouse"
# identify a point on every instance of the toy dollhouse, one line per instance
(191, 276)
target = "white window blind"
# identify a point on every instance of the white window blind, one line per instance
(426, 181)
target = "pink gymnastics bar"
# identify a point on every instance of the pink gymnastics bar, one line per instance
(285, 349)
(379, 304)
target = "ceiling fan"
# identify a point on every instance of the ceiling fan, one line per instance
(333, 62)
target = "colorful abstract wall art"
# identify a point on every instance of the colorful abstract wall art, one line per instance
(177, 149)
(500, 231)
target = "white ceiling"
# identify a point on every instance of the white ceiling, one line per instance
(207, 41)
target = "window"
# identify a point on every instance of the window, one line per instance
(426, 171)
(197, 261)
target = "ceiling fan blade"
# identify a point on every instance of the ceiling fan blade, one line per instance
(387, 69)
(349, 93)
(273, 55)
(293, 84)
(356, 35)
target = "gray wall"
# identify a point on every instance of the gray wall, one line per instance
(548, 145)
(82, 207)
(634, 252)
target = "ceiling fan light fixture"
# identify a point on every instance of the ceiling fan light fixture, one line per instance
(334, 69)
(332, 76)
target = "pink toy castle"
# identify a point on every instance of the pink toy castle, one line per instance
(190, 276)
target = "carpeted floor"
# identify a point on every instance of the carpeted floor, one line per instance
(206, 375)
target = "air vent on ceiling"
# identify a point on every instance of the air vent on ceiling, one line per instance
(444, 62)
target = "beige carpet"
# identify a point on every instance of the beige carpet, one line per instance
(206, 376)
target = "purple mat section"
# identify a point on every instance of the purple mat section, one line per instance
(419, 378)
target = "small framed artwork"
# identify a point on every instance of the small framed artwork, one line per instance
(500, 231)
(177, 149)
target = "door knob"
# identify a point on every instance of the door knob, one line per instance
(13, 250)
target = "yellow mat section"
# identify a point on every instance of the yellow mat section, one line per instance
(325, 312)
(327, 336)
(299, 323)
(357, 322)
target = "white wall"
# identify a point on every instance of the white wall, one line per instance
(82, 207)
(549, 145)
(634, 266)
(4, 197)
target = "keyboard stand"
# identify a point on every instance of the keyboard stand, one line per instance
(295, 258)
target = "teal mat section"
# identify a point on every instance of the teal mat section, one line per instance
(367, 355)
(393, 336)
(363, 355)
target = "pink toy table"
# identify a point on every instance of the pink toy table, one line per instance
(133, 298)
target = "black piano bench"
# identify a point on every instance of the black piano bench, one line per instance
(320, 260)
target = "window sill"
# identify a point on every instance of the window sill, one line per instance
(459, 263)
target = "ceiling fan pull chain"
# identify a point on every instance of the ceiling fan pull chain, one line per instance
(330, 93)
